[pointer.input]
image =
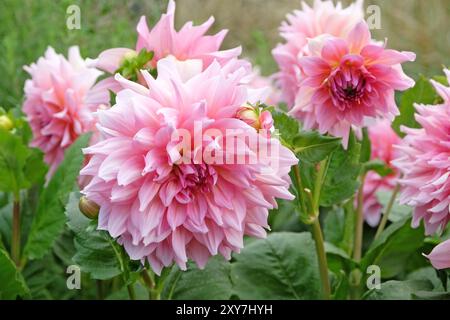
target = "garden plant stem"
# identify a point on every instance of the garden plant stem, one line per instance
(357, 251)
(322, 257)
(15, 241)
(388, 211)
(131, 292)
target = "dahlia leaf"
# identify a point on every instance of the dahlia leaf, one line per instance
(398, 290)
(422, 93)
(95, 251)
(12, 284)
(313, 147)
(13, 157)
(50, 219)
(366, 147)
(283, 266)
(286, 126)
(341, 180)
(213, 282)
(379, 167)
(395, 248)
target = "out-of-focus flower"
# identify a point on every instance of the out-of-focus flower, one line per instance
(382, 139)
(190, 42)
(60, 101)
(440, 256)
(348, 80)
(323, 18)
(257, 81)
(160, 175)
(424, 161)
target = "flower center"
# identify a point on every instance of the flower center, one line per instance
(347, 86)
(194, 178)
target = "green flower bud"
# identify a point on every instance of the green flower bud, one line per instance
(89, 208)
(6, 123)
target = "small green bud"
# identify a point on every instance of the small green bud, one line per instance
(89, 208)
(6, 123)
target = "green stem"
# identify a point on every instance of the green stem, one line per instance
(150, 283)
(322, 257)
(15, 241)
(300, 188)
(131, 292)
(388, 211)
(323, 167)
(357, 249)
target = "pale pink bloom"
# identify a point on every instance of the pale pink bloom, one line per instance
(382, 139)
(257, 81)
(347, 81)
(440, 256)
(424, 161)
(190, 42)
(60, 99)
(163, 201)
(323, 18)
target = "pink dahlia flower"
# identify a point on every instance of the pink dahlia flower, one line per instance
(323, 18)
(423, 160)
(348, 80)
(60, 99)
(163, 40)
(440, 256)
(382, 139)
(160, 193)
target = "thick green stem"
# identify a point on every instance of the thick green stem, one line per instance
(131, 292)
(15, 241)
(150, 283)
(357, 249)
(388, 211)
(322, 257)
(312, 211)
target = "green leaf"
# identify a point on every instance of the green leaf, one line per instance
(341, 180)
(394, 248)
(378, 166)
(213, 282)
(423, 93)
(283, 266)
(35, 167)
(398, 290)
(338, 259)
(96, 252)
(12, 284)
(313, 147)
(13, 156)
(287, 127)
(366, 148)
(49, 220)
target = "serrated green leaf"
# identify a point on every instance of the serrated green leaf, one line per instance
(313, 147)
(287, 127)
(13, 156)
(283, 266)
(377, 166)
(394, 247)
(12, 284)
(213, 282)
(341, 180)
(49, 220)
(423, 93)
(96, 253)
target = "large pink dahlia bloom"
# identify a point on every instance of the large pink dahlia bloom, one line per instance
(323, 18)
(190, 42)
(382, 139)
(348, 80)
(424, 161)
(440, 256)
(158, 195)
(60, 101)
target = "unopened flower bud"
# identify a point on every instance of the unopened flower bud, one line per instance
(6, 123)
(89, 208)
(249, 115)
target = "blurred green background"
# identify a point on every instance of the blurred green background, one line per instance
(27, 27)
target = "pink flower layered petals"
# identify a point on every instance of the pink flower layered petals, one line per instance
(323, 18)
(348, 80)
(163, 206)
(440, 256)
(423, 160)
(190, 42)
(60, 101)
(382, 139)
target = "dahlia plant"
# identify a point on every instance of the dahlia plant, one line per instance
(176, 170)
